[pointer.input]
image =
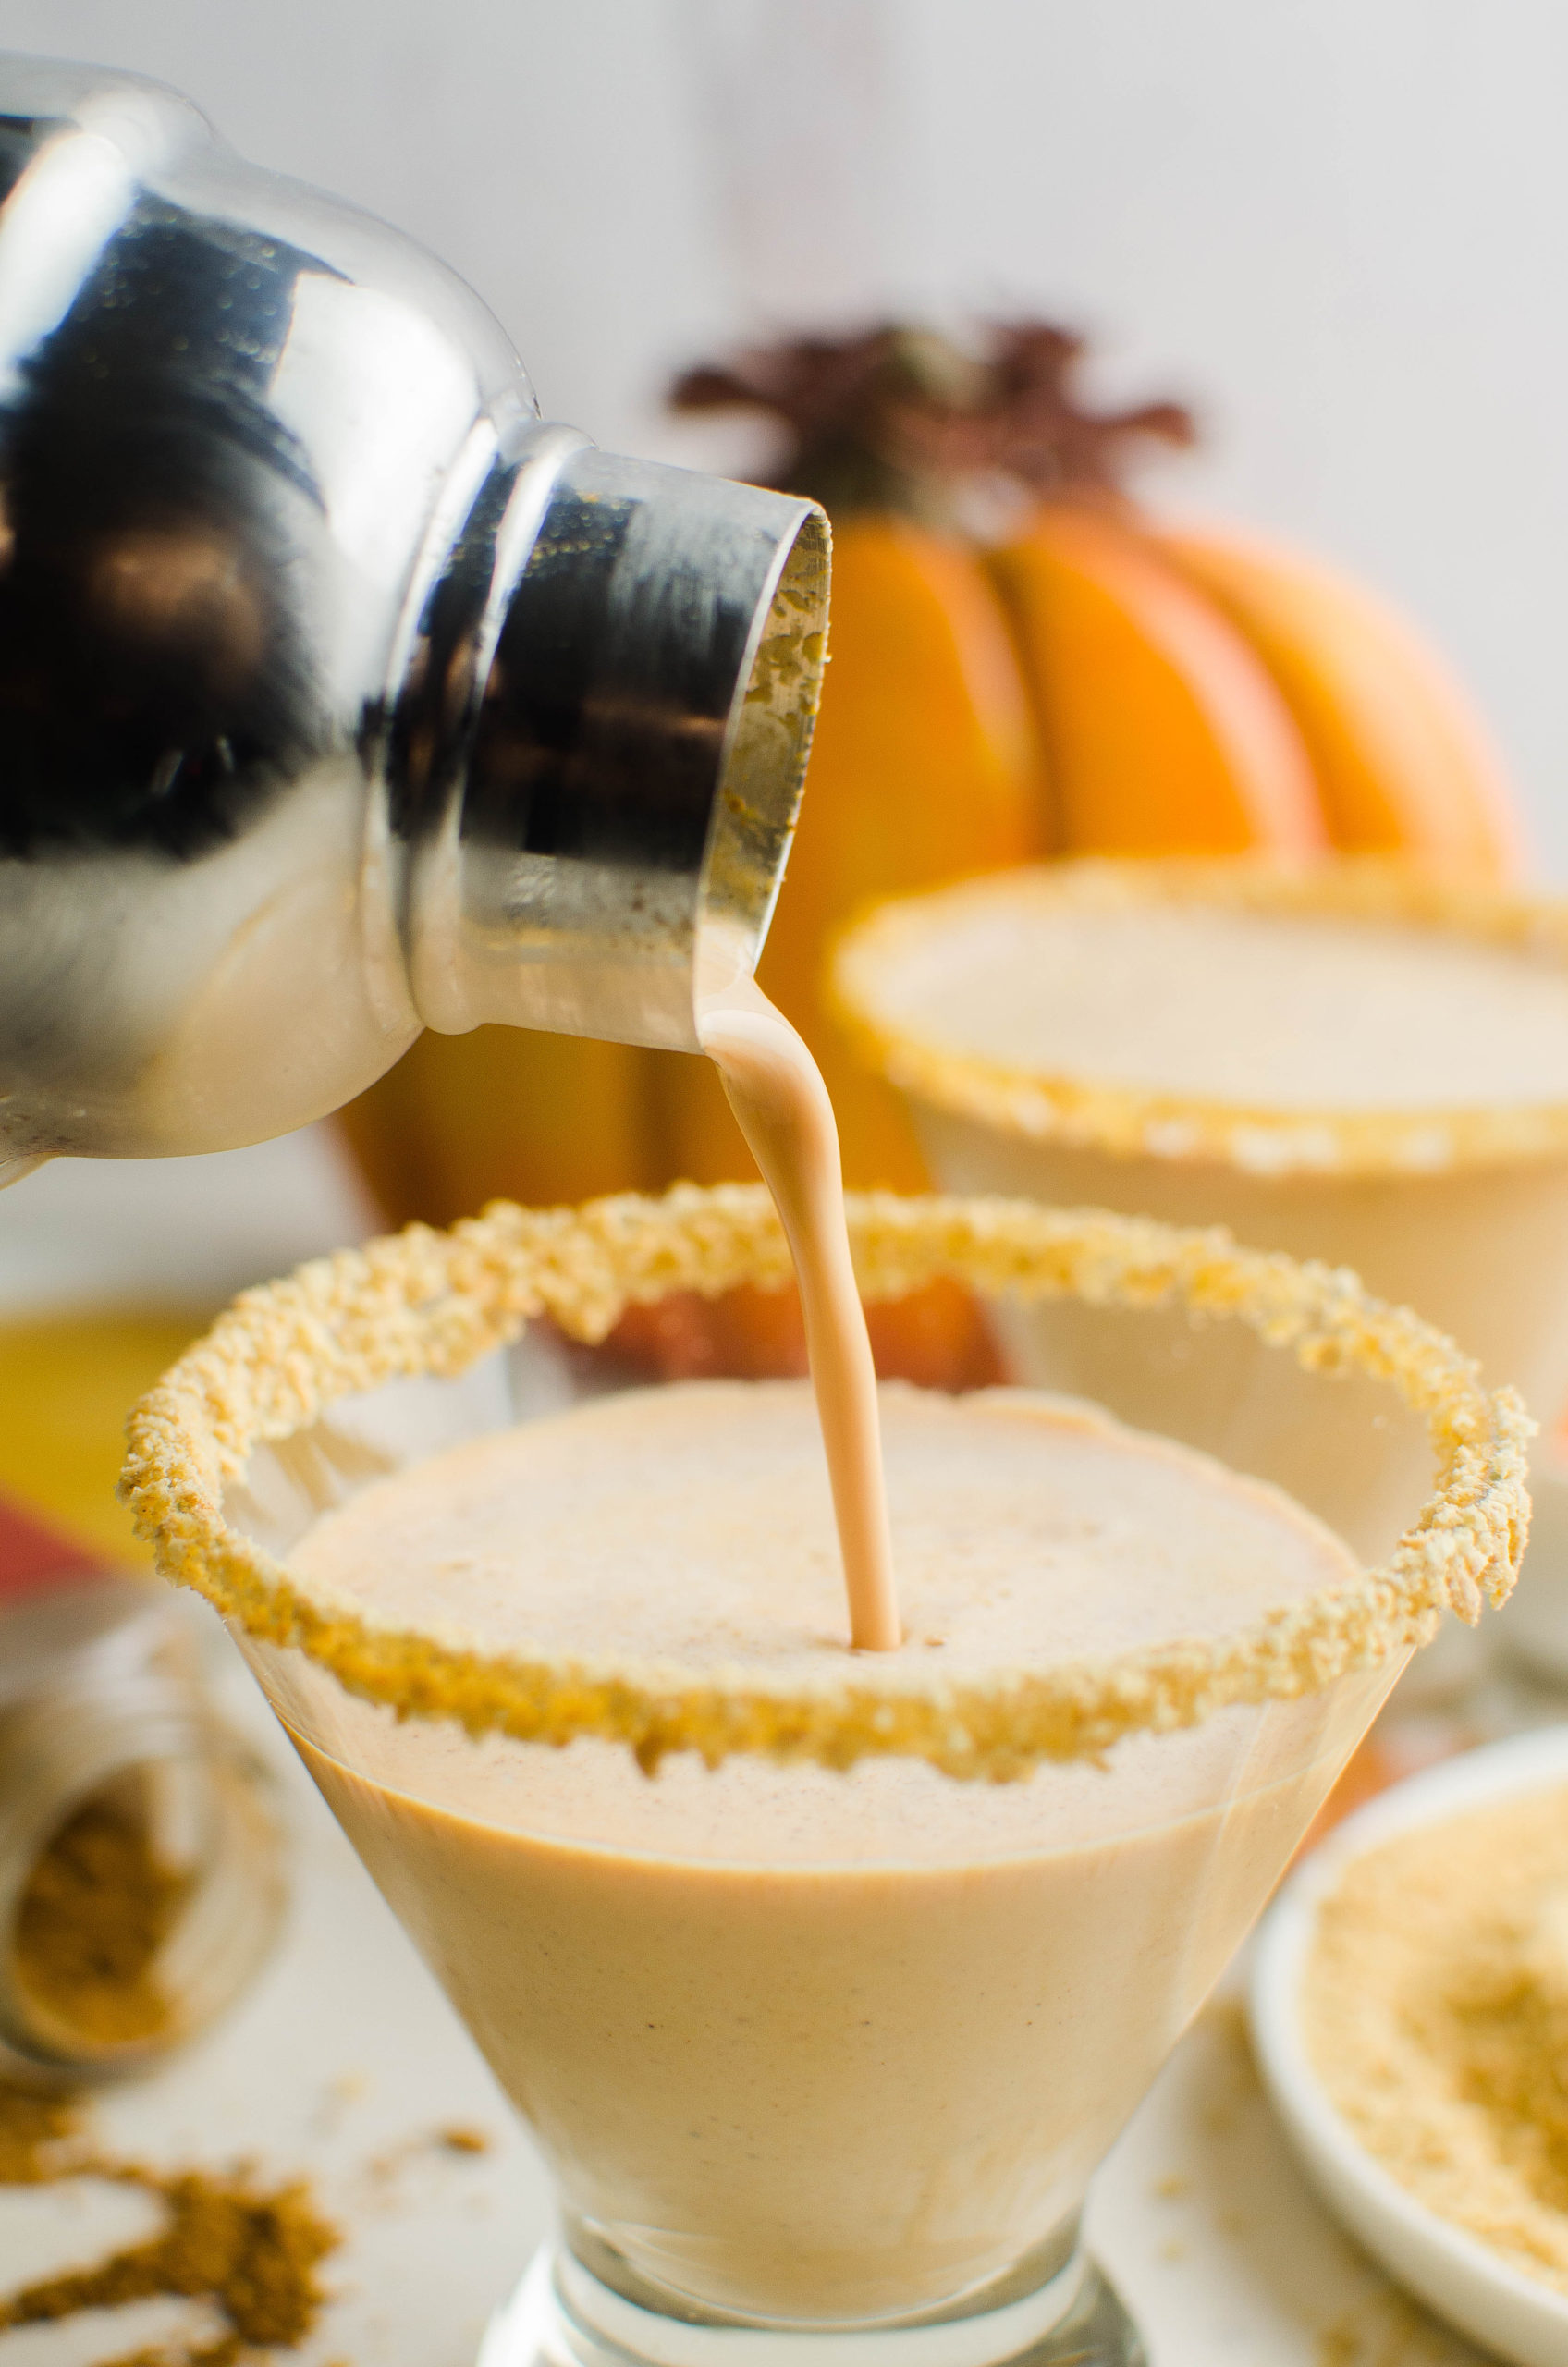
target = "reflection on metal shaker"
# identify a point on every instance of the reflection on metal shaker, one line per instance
(339, 695)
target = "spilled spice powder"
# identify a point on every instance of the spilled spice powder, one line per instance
(97, 1909)
(224, 2352)
(250, 2251)
(1435, 2007)
(32, 2125)
(1389, 2329)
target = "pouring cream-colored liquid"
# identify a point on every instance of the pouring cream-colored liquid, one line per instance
(799, 2043)
(781, 1106)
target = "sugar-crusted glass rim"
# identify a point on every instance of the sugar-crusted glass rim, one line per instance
(1130, 1121)
(422, 1302)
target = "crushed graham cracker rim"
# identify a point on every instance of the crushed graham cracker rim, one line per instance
(1135, 1122)
(423, 1302)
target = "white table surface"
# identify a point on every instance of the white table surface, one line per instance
(345, 2062)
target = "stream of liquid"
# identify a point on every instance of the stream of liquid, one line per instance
(775, 1090)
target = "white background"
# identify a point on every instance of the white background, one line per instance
(1341, 225)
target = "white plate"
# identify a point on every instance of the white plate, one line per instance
(1497, 2305)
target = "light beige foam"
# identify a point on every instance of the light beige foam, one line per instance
(1352, 1017)
(1297, 1010)
(692, 1526)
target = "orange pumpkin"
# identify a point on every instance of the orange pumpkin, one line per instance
(1400, 760)
(1166, 732)
(1200, 688)
(506, 1112)
(1061, 673)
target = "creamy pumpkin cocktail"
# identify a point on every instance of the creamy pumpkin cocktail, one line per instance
(824, 1978)
(815, 2045)
(1348, 1062)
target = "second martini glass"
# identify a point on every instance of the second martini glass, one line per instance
(1349, 1062)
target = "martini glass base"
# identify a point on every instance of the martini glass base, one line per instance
(562, 2317)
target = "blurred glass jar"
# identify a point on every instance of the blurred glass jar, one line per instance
(140, 1859)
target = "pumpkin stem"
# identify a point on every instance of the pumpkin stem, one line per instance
(1037, 430)
(863, 415)
(902, 419)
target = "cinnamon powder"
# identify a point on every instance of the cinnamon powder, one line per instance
(248, 2251)
(32, 2126)
(96, 1910)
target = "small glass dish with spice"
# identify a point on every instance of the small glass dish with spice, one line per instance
(1410, 2012)
(141, 1860)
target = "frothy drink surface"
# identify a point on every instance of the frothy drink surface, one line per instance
(692, 1525)
(800, 2043)
(1354, 1082)
(1284, 1010)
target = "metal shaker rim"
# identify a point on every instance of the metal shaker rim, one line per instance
(617, 811)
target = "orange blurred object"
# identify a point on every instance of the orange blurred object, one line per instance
(67, 1380)
(1402, 762)
(936, 1337)
(1163, 732)
(505, 1114)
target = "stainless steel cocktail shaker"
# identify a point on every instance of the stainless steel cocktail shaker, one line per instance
(339, 695)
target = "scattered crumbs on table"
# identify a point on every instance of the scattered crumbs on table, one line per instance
(460, 2143)
(250, 2250)
(1389, 2329)
(337, 2096)
(34, 2125)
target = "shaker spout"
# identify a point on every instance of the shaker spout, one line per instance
(621, 814)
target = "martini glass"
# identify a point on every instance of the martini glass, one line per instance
(757, 2163)
(1459, 1209)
